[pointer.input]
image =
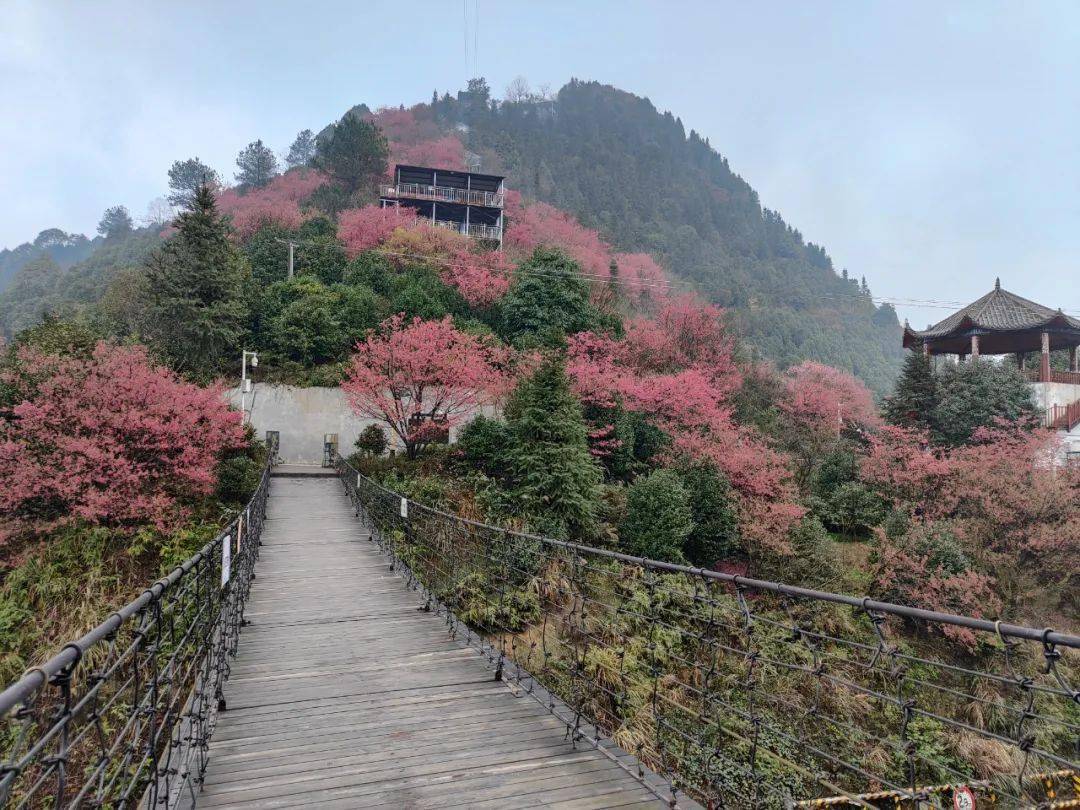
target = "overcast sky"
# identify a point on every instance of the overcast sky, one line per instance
(927, 146)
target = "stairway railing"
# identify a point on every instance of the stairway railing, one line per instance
(1063, 417)
(122, 716)
(744, 692)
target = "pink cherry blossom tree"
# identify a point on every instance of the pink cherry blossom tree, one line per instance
(361, 229)
(1007, 499)
(543, 224)
(276, 203)
(641, 278)
(482, 276)
(417, 375)
(442, 153)
(825, 399)
(686, 392)
(110, 440)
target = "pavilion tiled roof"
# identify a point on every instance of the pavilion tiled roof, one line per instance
(997, 311)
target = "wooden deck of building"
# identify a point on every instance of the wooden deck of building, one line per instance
(345, 694)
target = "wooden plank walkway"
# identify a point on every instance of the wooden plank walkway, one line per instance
(345, 694)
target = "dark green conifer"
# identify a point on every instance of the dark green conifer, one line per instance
(915, 397)
(196, 305)
(555, 478)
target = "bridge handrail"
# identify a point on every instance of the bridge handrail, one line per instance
(590, 612)
(217, 631)
(1047, 635)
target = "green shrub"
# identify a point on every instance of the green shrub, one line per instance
(812, 562)
(839, 499)
(851, 509)
(358, 310)
(484, 445)
(370, 269)
(372, 441)
(658, 517)
(639, 441)
(238, 476)
(715, 535)
(420, 293)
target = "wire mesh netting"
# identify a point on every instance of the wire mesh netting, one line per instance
(745, 693)
(123, 715)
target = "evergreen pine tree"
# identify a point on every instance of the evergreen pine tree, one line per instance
(196, 307)
(352, 152)
(556, 479)
(915, 396)
(115, 223)
(547, 301)
(257, 166)
(658, 517)
(978, 394)
(302, 150)
(186, 177)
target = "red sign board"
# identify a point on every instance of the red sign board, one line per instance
(963, 799)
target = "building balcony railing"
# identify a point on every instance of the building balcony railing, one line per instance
(462, 196)
(493, 232)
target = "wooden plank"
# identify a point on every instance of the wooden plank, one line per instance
(345, 694)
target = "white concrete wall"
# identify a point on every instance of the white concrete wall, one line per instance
(1055, 393)
(303, 415)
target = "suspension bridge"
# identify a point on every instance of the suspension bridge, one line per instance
(339, 645)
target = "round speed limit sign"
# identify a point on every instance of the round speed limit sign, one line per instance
(963, 799)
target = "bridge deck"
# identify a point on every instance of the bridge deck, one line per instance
(344, 694)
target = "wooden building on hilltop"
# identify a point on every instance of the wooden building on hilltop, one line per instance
(468, 202)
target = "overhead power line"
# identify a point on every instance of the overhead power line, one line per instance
(693, 286)
(671, 285)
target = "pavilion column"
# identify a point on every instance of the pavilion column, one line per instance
(1020, 360)
(926, 349)
(974, 348)
(1072, 360)
(1044, 363)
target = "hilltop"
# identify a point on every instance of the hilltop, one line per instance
(633, 173)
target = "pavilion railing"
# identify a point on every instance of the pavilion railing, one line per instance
(122, 716)
(742, 692)
(1056, 376)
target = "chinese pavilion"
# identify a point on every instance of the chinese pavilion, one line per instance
(1001, 323)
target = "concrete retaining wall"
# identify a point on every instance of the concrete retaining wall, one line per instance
(303, 415)
(1049, 394)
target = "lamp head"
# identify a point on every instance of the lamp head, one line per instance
(254, 360)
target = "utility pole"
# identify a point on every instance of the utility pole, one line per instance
(292, 247)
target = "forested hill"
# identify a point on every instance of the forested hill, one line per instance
(65, 249)
(621, 166)
(607, 157)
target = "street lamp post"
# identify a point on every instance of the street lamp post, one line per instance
(245, 383)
